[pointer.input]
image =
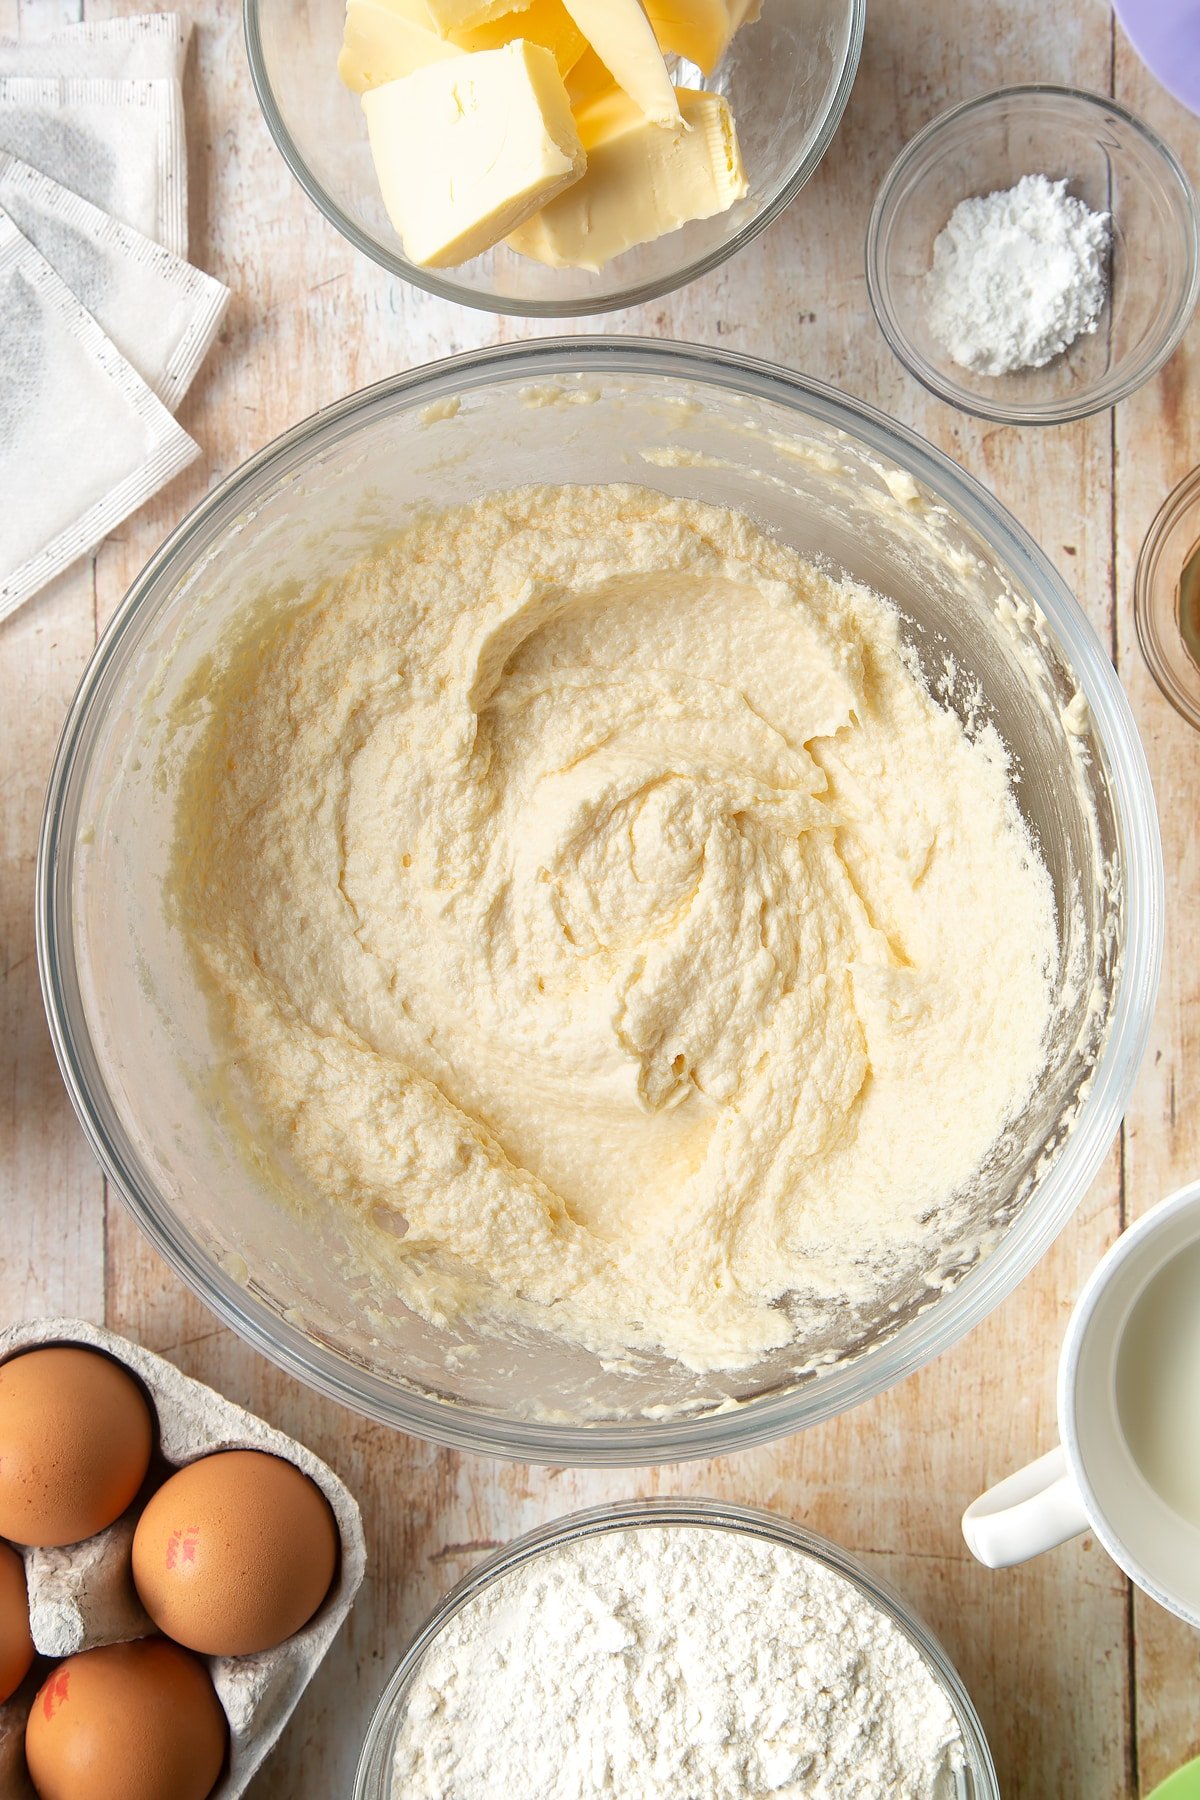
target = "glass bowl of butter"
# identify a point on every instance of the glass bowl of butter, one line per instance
(487, 154)
(367, 1109)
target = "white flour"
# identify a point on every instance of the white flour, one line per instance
(1017, 277)
(675, 1663)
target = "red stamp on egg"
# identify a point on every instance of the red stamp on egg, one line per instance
(55, 1692)
(182, 1546)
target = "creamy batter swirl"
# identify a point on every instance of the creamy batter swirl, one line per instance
(610, 925)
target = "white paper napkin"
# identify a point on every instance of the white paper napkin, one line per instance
(83, 441)
(161, 314)
(119, 144)
(147, 47)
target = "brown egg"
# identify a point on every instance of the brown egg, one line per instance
(235, 1553)
(126, 1722)
(75, 1436)
(16, 1645)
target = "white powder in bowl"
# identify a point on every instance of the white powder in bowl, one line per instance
(1017, 277)
(675, 1663)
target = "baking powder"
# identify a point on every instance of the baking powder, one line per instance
(675, 1663)
(1017, 277)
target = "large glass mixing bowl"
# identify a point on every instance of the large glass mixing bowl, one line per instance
(831, 477)
(787, 78)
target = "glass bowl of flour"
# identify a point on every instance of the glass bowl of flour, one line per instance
(677, 1651)
(600, 901)
(1033, 255)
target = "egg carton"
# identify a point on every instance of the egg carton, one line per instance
(83, 1595)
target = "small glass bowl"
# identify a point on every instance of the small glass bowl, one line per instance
(1112, 162)
(787, 78)
(1172, 544)
(373, 1779)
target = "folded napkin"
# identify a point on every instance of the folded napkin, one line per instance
(161, 314)
(120, 144)
(103, 325)
(83, 440)
(148, 47)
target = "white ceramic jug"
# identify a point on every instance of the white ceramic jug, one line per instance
(1128, 1465)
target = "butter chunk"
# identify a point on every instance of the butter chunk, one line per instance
(382, 43)
(467, 150)
(620, 34)
(545, 22)
(587, 80)
(461, 15)
(385, 40)
(701, 30)
(641, 181)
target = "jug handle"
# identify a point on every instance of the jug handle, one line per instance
(1028, 1512)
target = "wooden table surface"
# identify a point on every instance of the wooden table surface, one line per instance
(1087, 1690)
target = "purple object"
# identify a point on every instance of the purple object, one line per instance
(1166, 35)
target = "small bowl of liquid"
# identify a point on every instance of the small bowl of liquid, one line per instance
(1167, 598)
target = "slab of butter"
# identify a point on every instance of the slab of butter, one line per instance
(381, 43)
(466, 150)
(587, 80)
(460, 15)
(385, 40)
(700, 29)
(642, 180)
(545, 22)
(619, 32)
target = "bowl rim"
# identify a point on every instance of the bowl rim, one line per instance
(1182, 498)
(1065, 409)
(665, 1511)
(757, 1420)
(636, 294)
